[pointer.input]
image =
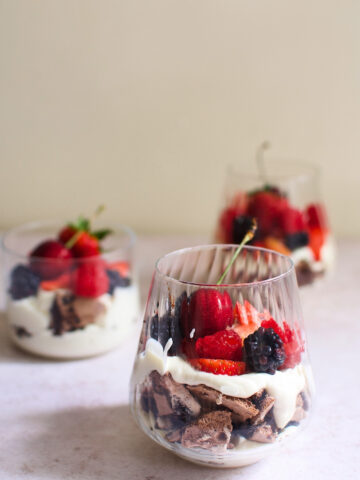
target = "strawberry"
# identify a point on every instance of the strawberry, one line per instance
(226, 224)
(86, 246)
(50, 259)
(224, 345)
(292, 341)
(64, 281)
(209, 311)
(218, 367)
(316, 216)
(90, 279)
(317, 238)
(121, 267)
(246, 319)
(66, 234)
(291, 221)
(266, 207)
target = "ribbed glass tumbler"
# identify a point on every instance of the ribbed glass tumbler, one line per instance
(222, 376)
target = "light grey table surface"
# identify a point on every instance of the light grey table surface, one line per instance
(71, 420)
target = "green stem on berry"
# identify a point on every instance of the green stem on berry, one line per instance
(260, 160)
(71, 242)
(247, 237)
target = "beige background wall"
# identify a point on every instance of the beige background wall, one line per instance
(141, 104)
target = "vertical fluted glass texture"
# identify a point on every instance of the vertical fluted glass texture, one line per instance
(222, 375)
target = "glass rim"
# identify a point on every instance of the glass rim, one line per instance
(28, 226)
(303, 170)
(290, 270)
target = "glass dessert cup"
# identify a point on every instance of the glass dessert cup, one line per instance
(221, 376)
(73, 307)
(291, 217)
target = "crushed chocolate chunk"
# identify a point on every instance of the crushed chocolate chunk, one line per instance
(182, 403)
(21, 332)
(87, 309)
(242, 409)
(70, 313)
(264, 403)
(304, 274)
(262, 433)
(300, 412)
(174, 436)
(211, 431)
(162, 403)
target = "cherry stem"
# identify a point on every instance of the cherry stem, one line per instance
(260, 160)
(71, 242)
(247, 237)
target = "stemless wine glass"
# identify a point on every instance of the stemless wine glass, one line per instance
(221, 376)
(291, 217)
(69, 308)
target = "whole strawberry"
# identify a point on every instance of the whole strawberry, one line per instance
(209, 311)
(90, 279)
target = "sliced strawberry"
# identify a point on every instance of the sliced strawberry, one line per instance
(63, 281)
(121, 267)
(218, 367)
(317, 238)
(90, 279)
(316, 216)
(224, 345)
(246, 319)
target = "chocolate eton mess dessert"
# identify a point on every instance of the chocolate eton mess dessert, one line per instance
(217, 380)
(301, 233)
(68, 298)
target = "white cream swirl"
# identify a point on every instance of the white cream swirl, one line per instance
(284, 385)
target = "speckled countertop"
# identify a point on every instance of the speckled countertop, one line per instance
(71, 420)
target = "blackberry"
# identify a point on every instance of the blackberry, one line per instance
(241, 226)
(116, 280)
(264, 351)
(23, 282)
(165, 327)
(296, 240)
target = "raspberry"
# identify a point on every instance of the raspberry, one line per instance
(264, 351)
(218, 367)
(224, 345)
(291, 221)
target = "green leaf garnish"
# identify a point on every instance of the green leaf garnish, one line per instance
(101, 234)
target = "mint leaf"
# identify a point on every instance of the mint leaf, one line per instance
(82, 223)
(101, 234)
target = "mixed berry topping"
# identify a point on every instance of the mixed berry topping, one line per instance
(224, 339)
(281, 226)
(72, 262)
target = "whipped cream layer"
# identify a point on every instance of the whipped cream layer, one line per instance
(108, 330)
(284, 385)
